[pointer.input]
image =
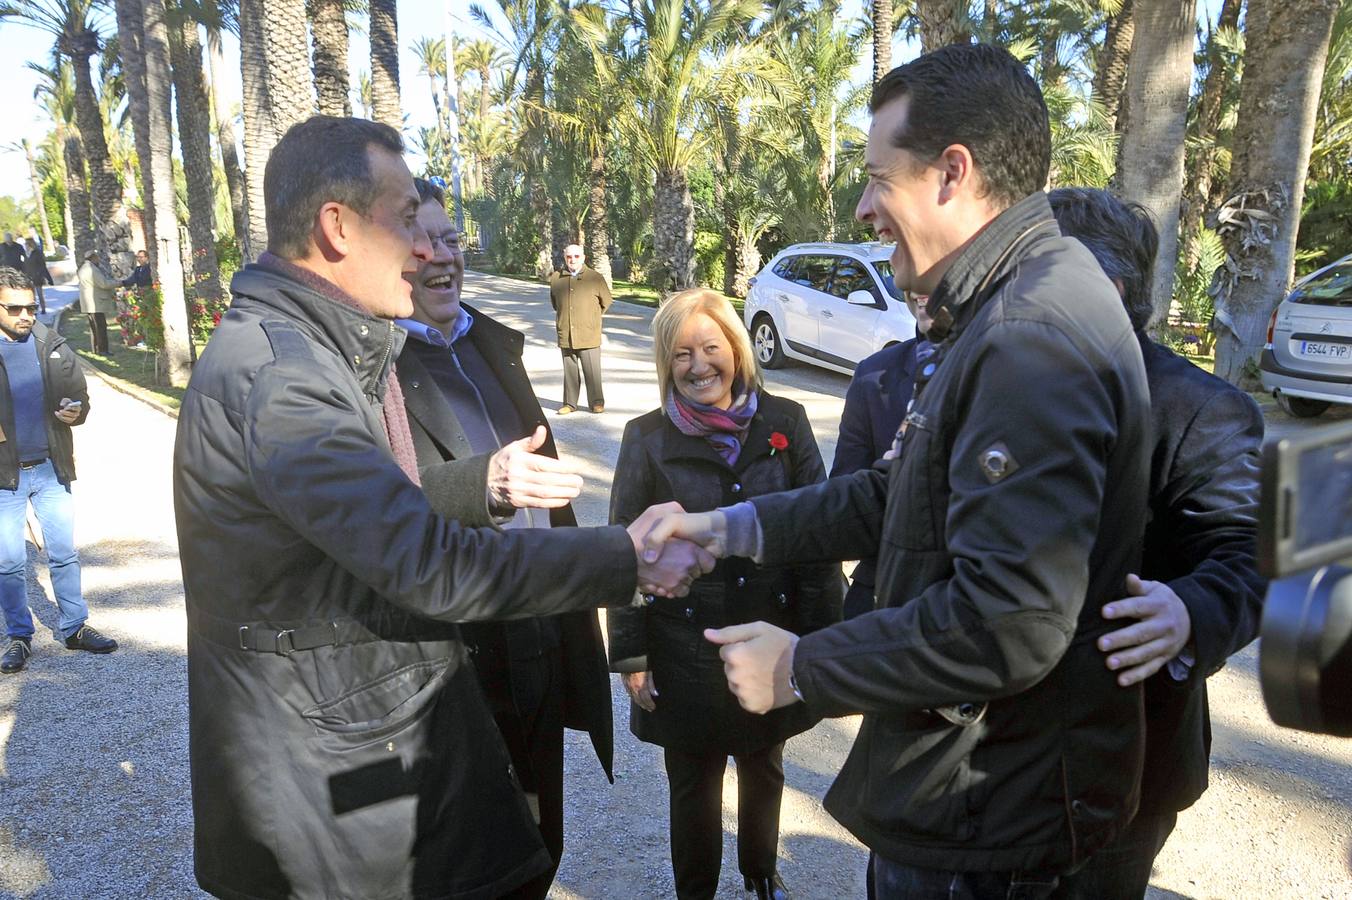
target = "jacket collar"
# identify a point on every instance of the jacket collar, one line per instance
(993, 253)
(367, 344)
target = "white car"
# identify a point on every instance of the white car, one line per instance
(826, 304)
(1307, 363)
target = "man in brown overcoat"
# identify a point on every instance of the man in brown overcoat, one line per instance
(580, 296)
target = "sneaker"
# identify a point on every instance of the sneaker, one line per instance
(598, 407)
(88, 638)
(16, 655)
(566, 409)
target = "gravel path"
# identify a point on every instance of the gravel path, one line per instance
(94, 797)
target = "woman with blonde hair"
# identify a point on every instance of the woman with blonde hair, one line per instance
(718, 438)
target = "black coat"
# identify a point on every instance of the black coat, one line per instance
(695, 710)
(61, 377)
(874, 406)
(994, 737)
(1201, 541)
(455, 478)
(340, 745)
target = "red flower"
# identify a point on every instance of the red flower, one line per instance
(778, 442)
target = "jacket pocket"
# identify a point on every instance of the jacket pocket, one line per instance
(916, 505)
(381, 708)
(920, 778)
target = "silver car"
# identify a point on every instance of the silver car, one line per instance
(1307, 362)
(826, 304)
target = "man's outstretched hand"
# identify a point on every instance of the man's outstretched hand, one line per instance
(667, 569)
(518, 477)
(758, 660)
(708, 530)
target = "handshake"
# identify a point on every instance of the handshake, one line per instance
(675, 547)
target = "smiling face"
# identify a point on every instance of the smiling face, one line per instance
(438, 279)
(703, 365)
(903, 201)
(386, 241)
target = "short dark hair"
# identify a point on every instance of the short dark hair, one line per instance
(323, 159)
(429, 192)
(981, 97)
(1122, 237)
(12, 279)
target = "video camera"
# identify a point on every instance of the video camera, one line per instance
(1305, 546)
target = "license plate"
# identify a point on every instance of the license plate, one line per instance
(1325, 350)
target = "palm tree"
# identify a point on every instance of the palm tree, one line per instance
(75, 26)
(384, 35)
(1110, 70)
(1150, 169)
(431, 54)
(290, 87)
(56, 91)
(883, 29)
(194, 137)
(130, 28)
(37, 192)
(328, 32)
(482, 57)
(364, 92)
(1285, 48)
(943, 22)
(672, 78)
(169, 269)
(212, 18)
(259, 131)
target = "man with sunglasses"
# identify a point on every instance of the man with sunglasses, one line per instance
(42, 394)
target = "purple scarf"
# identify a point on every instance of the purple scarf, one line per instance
(724, 429)
(395, 419)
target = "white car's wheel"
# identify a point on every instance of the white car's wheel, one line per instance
(765, 340)
(1301, 407)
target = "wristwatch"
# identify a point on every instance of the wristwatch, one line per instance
(793, 686)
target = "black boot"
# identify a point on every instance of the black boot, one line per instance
(767, 888)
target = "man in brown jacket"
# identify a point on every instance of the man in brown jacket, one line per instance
(580, 296)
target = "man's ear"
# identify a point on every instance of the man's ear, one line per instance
(957, 172)
(333, 230)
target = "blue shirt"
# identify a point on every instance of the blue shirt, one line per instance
(24, 370)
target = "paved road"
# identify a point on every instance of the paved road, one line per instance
(94, 798)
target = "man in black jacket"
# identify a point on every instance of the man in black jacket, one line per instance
(340, 745)
(997, 752)
(1199, 597)
(472, 410)
(42, 394)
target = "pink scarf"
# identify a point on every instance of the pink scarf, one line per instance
(395, 418)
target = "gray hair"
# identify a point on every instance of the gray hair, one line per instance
(324, 159)
(1121, 236)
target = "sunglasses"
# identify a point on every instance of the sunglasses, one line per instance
(20, 308)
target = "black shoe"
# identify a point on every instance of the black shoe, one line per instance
(16, 655)
(87, 638)
(767, 888)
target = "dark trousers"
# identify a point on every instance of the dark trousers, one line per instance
(589, 362)
(1121, 870)
(696, 782)
(528, 707)
(895, 881)
(41, 298)
(98, 333)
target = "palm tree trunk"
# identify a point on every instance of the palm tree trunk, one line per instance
(1151, 159)
(328, 30)
(882, 41)
(81, 228)
(1286, 46)
(1110, 77)
(289, 82)
(942, 22)
(1197, 183)
(111, 233)
(169, 271)
(194, 137)
(259, 132)
(542, 217)
(484, 94)
(37, 197)
(598, 237)
(130, 28)
(225, 139)
(673, 232)
(384, 35)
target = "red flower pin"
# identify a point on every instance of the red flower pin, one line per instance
(778, 442)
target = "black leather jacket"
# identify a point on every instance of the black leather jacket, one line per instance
(61, 377)
(340, 746)
(994, 737)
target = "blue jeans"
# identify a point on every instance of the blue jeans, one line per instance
(895, 881)
(55, 509)
(1121, 870)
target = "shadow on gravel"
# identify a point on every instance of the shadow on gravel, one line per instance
(804, 879)
(122, 553)
(1155, 893)
(1289, 772)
